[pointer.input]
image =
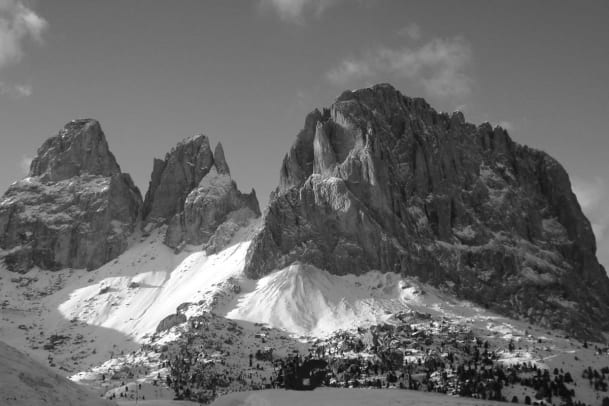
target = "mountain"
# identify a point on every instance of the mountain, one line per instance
(395, 237)
(381, 181)
(75, 209)
(192, 191)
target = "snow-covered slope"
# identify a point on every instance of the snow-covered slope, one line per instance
(24, 382)
(345, 397)
(75, 319)
(308, 301)
(135, 304)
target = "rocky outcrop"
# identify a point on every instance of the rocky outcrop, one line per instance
(383, 181)
(75, 209)
(171, 321)
(192, 191)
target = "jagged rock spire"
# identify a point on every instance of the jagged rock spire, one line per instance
(220, 160)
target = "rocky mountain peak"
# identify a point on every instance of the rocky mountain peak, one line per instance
(79, 147)
(220, 160)
(175, 176)
(192, 191)
(381, 181)
(76, 209)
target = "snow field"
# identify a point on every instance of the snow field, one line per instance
(345, 397)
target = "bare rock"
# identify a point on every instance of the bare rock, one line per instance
(220, 160)
(171, 321)
(298, 163)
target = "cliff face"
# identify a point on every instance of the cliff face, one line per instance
(383, 181)
(192, 191)
(75, 209)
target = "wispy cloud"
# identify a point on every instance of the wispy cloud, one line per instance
(412, 31)
(18, 23)
(15, 90)
(593, 195)
(440, 65)
(297, 10)
(351, 70)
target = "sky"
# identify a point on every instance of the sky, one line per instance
(246, 73)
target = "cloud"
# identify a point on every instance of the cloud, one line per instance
(16, 91)
(296, 10)
(350, 70)
(439, 65)
(17, 23)
(412, 31)
(593, 195)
